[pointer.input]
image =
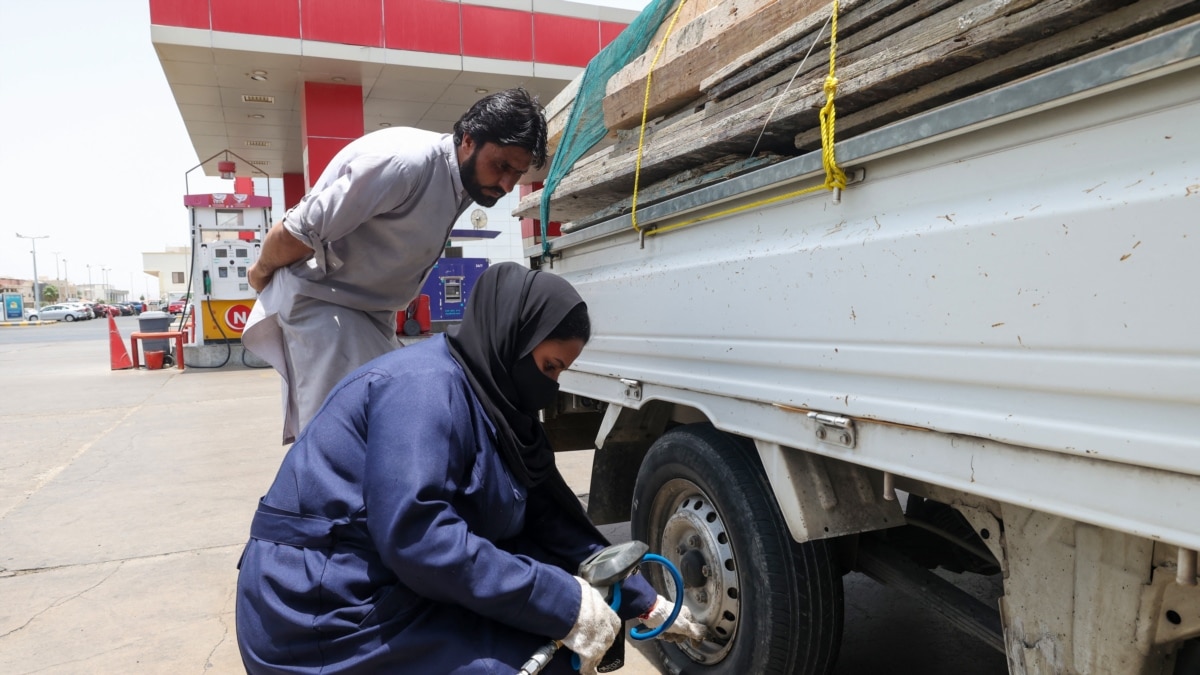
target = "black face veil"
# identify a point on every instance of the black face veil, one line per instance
(511, 310)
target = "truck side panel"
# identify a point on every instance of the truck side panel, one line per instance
(1025, 284)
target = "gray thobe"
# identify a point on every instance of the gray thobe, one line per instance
(377, 221)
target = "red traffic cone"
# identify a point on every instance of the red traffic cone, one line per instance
(118, 355)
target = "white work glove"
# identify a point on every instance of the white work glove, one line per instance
(594, 630)
(685, 626)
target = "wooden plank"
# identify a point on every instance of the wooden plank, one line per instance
(558, 111)
(871, 23)
(938, 45)
(692, 179)
(1077, 40)
(692, 10)
(897, 69)
(874, 22)
(939, 28)
(694, 52)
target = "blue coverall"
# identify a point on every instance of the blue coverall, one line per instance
(394, 538)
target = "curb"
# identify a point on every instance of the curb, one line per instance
(25, 323)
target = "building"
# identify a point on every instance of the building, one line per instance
(170, 267)
(24, 287)
(66, 289)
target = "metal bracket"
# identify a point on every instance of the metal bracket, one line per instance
(633, 389)
(834, 429)
(853, 176)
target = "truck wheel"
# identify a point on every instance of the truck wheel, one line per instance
(1187, 661)
(772, 606)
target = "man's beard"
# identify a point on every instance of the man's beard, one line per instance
(471, 183)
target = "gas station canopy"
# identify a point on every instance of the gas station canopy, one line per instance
(284, 84)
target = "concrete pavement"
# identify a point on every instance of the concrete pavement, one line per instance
(125, 499)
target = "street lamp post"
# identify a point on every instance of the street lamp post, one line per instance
(91, 289)
(37, 297)
(107, 291)
(66, 280)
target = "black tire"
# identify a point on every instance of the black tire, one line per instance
(1187, 661)
(69, 318)
(773, 606)
(32, 317)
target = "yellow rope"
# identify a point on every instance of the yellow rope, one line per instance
(835, 178)
(637, 172)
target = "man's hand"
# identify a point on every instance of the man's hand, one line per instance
(685, 626)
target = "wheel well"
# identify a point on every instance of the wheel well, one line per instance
(622, 438)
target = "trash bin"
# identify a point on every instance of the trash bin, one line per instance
(155, 322)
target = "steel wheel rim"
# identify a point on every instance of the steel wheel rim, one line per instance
(693, 531)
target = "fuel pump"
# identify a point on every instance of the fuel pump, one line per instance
(227, 234)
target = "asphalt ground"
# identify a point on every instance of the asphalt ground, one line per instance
(126, 497)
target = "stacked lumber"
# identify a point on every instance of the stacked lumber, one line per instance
(733, 89)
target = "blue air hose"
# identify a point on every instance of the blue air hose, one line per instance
(655, 632)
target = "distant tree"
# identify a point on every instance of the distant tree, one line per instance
(49, 294)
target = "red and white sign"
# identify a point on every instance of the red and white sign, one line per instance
(235, 317)
(227, 200)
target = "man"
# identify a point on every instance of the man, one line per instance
(355, 250)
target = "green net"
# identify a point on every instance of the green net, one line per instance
(585, 126)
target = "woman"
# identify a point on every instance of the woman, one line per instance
(419, 524)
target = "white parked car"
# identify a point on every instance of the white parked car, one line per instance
(89, 313)
(58, 313)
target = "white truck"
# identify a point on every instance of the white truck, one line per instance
(984, 354)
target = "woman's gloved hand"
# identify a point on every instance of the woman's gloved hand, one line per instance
(685, 626)
(594, 630)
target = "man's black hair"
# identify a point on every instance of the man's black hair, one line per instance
(509, 117)
(576, 325)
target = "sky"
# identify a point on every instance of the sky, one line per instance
(93, 151)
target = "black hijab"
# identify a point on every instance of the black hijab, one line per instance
(511, 310)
